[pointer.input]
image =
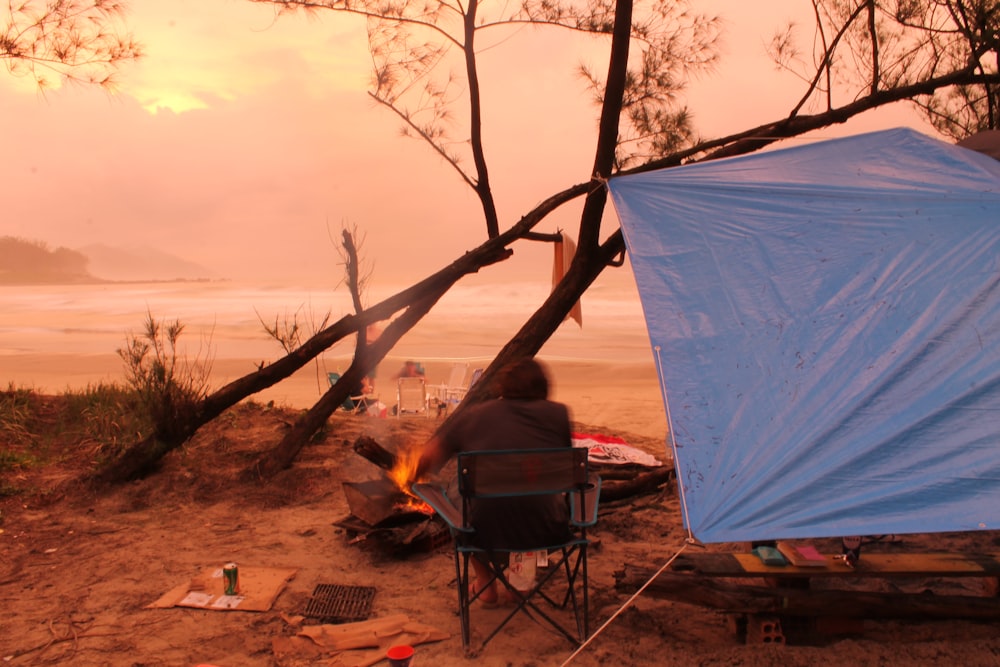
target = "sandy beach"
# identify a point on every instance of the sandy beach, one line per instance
(54, 338)
(622, 395)
(79, 568)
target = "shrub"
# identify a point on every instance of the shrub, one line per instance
(167, 385)
(15, 415)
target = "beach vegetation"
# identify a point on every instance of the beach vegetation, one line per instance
(80, 41)
(168, 385)
(111, 417)
(15, 415)
(13, 460)
(94, 424)
(288, 330)
(24, 261)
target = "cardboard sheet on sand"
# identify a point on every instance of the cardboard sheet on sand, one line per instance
(259, 587)
(357, 644)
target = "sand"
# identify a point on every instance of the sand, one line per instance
(621, 394)
(78, 569)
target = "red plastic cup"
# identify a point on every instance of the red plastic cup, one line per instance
(400, 656)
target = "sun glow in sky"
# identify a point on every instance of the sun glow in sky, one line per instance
(244, 143)
(191, 61)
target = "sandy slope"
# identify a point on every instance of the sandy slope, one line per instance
(77, 569)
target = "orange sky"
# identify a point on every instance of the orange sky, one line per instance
(243, 144)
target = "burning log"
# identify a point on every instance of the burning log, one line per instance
(383, 515)
(380, 502)
(369, 448)
(383, 512)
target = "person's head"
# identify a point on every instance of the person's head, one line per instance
(524, 380)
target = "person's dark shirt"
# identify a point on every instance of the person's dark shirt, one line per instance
(522, 523)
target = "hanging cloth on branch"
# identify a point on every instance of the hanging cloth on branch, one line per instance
(563, 256)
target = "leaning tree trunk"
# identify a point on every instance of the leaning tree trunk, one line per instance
(143, 457)
(591, 256)
(283, 454)
(591, 259)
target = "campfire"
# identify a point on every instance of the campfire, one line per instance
(384, 510)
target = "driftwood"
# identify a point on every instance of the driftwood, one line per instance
(738, 598)
(369, 448)
(643, 481)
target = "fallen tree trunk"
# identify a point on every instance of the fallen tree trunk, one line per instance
(737, 598)
(141, 458)
(642, 482)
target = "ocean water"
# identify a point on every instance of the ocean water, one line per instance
(58, 338)
(470, 322)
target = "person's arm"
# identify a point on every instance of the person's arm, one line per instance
(567, 427)
(432, 458)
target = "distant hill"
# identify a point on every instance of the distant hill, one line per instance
(28, 262)
(142, 263)
(25, 262)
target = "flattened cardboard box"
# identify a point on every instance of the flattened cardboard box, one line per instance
(259, 587)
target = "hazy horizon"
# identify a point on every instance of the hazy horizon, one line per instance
(59, 337)
(245, 144)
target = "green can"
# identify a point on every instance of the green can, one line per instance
(231, 579)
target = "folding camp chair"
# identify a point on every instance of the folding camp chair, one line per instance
(476, 375)
(411, 396)
(454, 389)
(353, 404)
(518, 473)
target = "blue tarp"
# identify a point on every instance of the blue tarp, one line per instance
(826, 321)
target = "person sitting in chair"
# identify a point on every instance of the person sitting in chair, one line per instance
(410, 369)
(522, 418)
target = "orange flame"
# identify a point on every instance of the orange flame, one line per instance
(403, 473)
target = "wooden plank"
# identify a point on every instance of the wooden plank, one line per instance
(726, 564)
(783, 601)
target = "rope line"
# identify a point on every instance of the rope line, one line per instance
(624, 606)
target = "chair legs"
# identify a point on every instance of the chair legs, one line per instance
(572, 562)
(464, 601)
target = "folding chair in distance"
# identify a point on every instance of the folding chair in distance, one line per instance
(454, 388)
(411, 396)
(518, 473)
(353, 404)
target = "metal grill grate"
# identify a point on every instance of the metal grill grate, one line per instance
(334, 603)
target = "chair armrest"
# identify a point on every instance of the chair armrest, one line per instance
(439, 501)
(584, 504)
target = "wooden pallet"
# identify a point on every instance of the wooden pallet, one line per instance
(885, 565)
(778, 602)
